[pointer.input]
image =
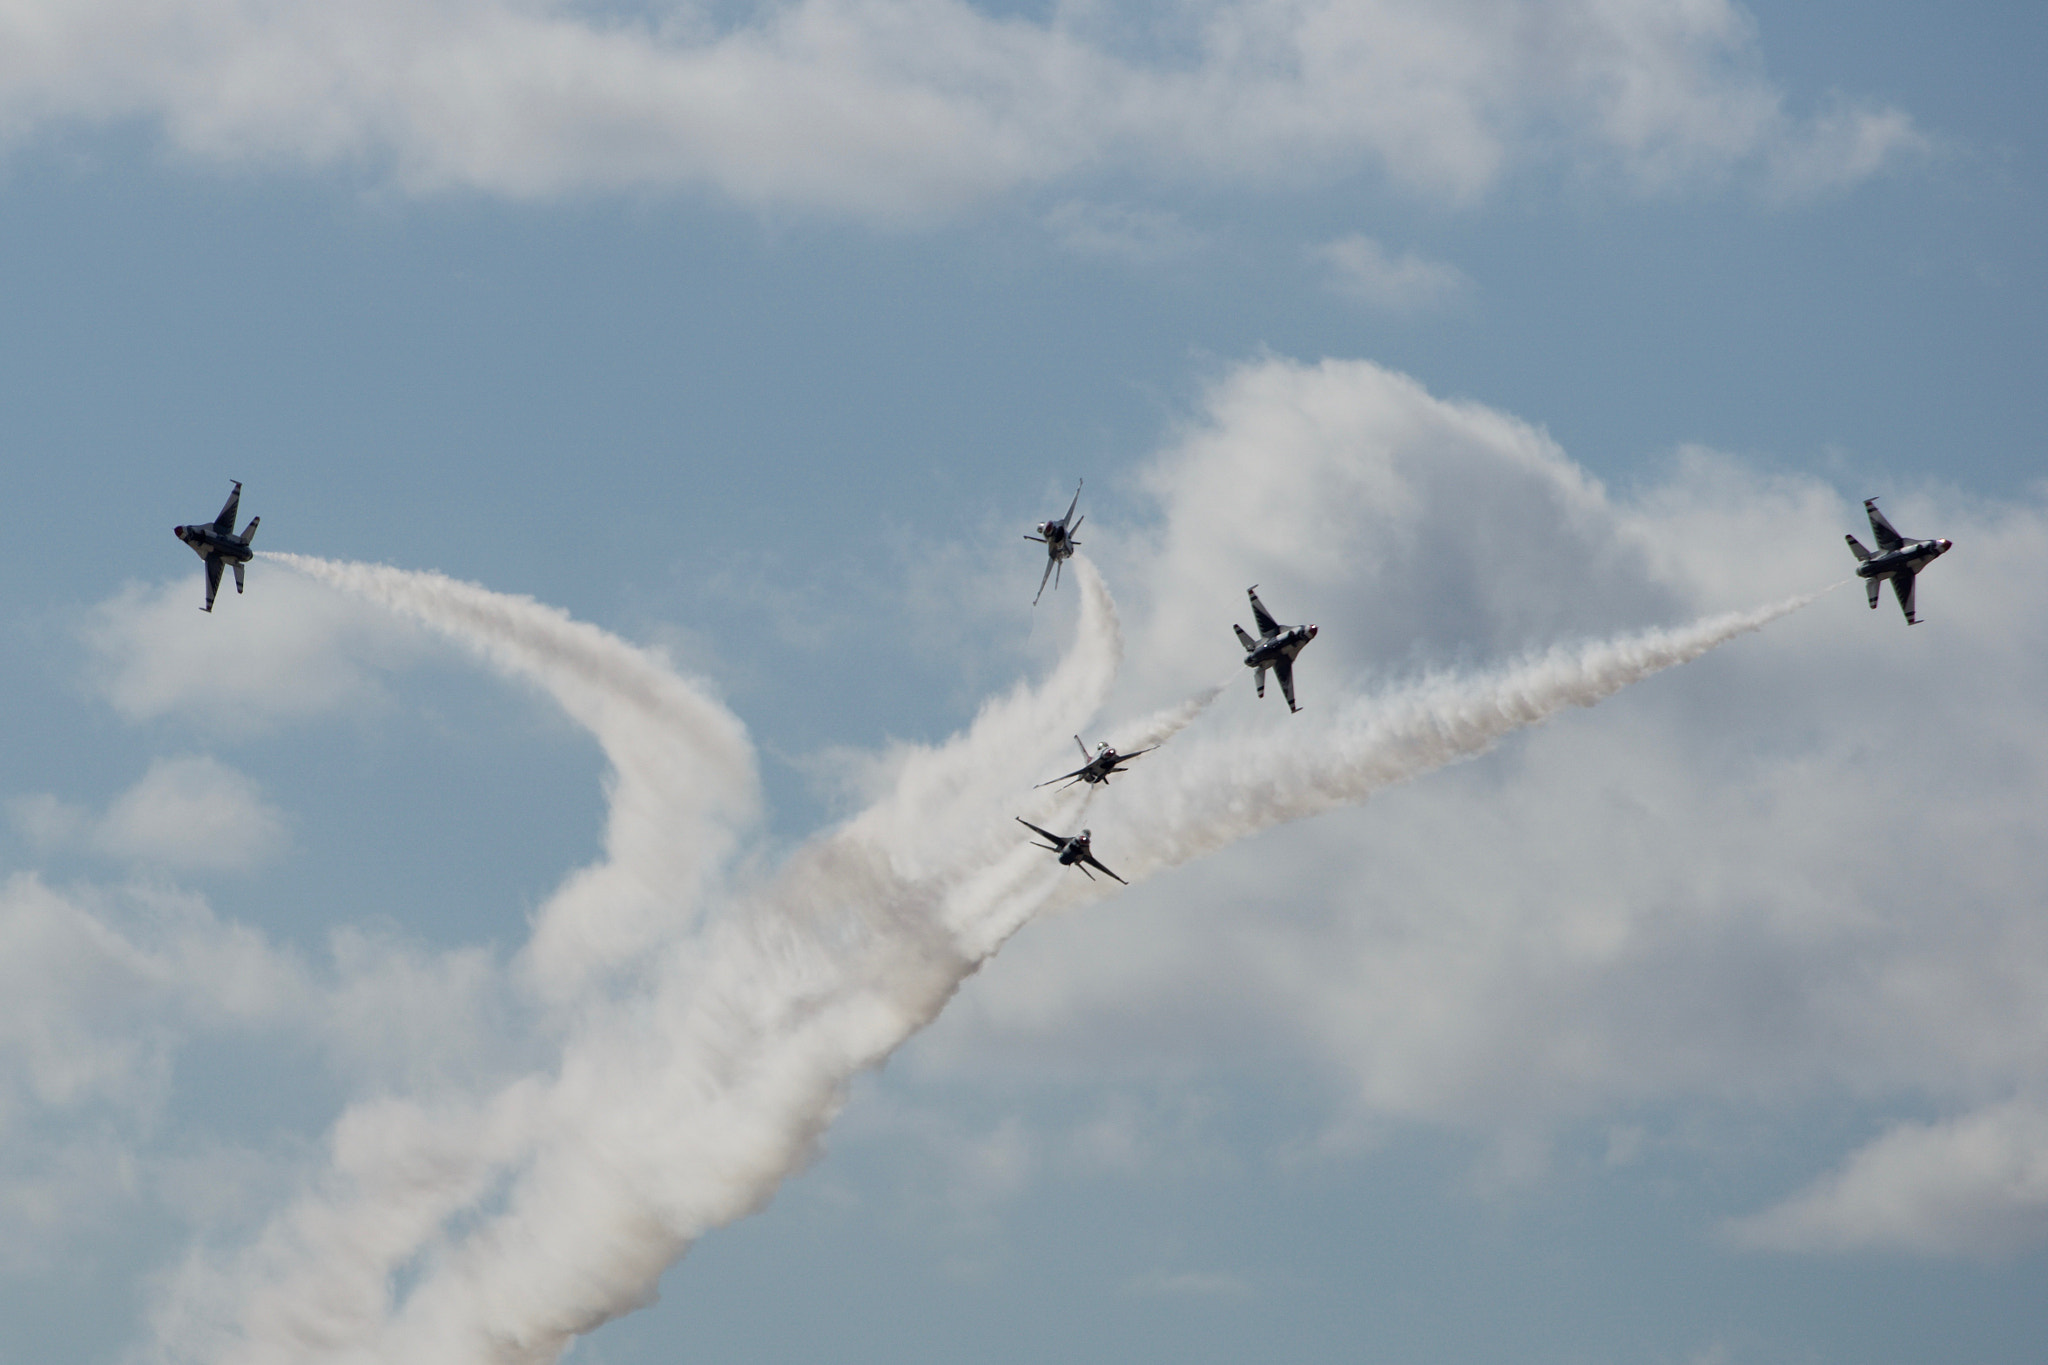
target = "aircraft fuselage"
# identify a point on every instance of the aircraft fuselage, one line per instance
(204, 541)
(1286, 645)
(1911, 557)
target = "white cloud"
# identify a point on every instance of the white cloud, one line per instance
(108, 990)
(1805, 869)
(904, 109)
(1975, 1185)
(1361, 269)
(193, 812)
(1136, 236)
(185, 813)
(286, 649)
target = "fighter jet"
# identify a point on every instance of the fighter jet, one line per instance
(1275, 648)
(1098, 768)
(1058, 539)
(218, 544)
(1897, 558)
(1073, 850)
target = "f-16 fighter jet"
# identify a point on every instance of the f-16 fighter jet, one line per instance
(1073, 850)
(1098, 768)
(1058, 539)
(1275, 648)
(218, 544)
(1897, 558)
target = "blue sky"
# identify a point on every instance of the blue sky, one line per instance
(1699, 1026)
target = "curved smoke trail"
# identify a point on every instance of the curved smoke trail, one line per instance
(682, 1104)
(684, 783)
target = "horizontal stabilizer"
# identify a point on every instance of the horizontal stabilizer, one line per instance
(248, 534)
(238, 575)
(1876, 586)
(1247, 641)
(1856, 548)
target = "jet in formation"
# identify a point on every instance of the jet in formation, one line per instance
(1275, 648)
(1098, 768)
(218, 544)
(1058, 539)
(1897, 558)
(1073, 850)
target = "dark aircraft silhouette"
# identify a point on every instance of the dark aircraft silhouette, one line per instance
(218, 544)
(1897, 558)
(1098, 768)
(1073, 850)
(1275, 648)
(1058, 539)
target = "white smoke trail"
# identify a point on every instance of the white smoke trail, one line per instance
(684, 786)
(682, 1105)
(1219, 793)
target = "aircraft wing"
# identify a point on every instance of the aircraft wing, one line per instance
(212, 580)
(1907, 585)
(226, 520)
(1049, 563)
(1044, 833)
(1091, 858)
(1283, 667)
(1063, 777)
(1887, 538)
(1267, 625)
(1068, 520)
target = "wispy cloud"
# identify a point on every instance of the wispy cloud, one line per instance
(1361, 269)
(189, 813)
(1136, 236)
(1975, 1185)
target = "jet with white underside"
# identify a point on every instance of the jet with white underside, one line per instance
(1057, 536)
(1103, 762)
(1073, 850)
(1897, 558)
(1275, 648)
(217, 544)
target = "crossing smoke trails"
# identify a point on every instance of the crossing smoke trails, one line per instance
(704, 1051)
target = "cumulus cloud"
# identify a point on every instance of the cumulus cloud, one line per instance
(905, 109)
(189, 813)
(286, 649)
(1360, 269)
(193, 812)
(1690, 899)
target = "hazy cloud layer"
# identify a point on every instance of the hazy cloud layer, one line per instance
(905, 109)
(1360, 269)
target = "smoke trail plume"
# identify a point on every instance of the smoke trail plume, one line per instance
(532, 1215)
(685, 783)
(1220, 793)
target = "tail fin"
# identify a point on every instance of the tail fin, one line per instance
(254, 522)
(1247, 641)
(1856, 548)
(238, 575)
(1083, 748)
(1876, 587)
